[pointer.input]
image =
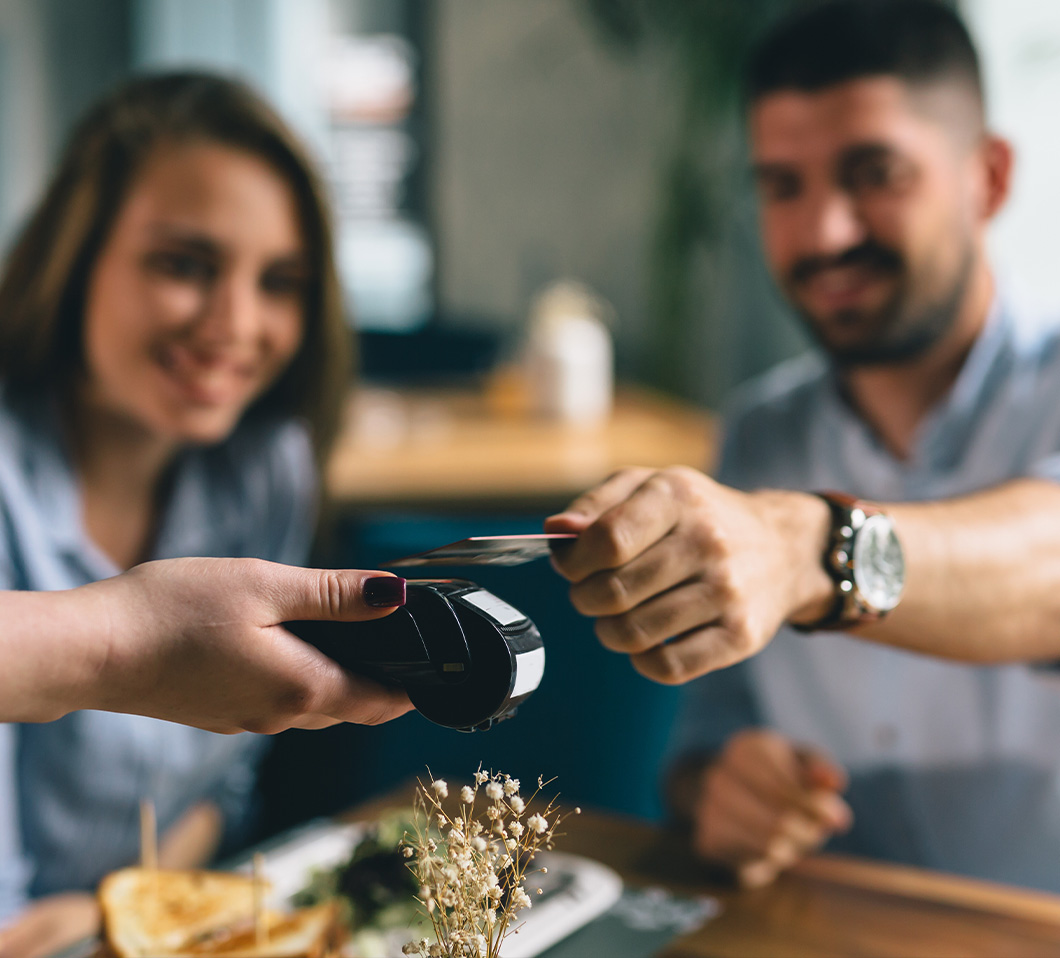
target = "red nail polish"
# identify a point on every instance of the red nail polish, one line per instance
(384, 591)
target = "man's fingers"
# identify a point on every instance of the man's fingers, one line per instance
(820, 771)
(772, 766)
(757, 874)
(587, 508)
(662, 565)
(691, 655)
(676, 612)
(801, 830)
(348, 595)
(736, 822)
(623, 532)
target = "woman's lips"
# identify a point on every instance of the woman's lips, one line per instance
(204, 378)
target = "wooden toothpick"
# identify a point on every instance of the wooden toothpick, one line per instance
(261, 931)
(148, 835)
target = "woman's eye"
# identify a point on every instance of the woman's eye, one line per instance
(283, 283)
(182, 266)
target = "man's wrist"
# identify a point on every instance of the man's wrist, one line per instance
(803, 524)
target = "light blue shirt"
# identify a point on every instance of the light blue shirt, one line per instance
(953, 766)
(70, 789)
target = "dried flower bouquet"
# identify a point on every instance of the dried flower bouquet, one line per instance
(472, 865)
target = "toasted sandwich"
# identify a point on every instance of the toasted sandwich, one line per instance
(155, 913)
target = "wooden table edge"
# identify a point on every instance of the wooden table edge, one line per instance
(922, 884)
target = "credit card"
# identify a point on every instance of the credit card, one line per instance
(486, 550)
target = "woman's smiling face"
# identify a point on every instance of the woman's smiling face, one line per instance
(196, 303)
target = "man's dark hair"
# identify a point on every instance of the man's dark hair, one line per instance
(922, 42)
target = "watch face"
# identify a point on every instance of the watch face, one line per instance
(879, 567)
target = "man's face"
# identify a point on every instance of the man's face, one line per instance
(869, 205)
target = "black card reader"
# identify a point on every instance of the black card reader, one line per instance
(466, 657)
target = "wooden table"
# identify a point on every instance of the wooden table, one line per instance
(827, 906)
(463, 449)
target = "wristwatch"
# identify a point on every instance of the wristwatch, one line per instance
(864, 559)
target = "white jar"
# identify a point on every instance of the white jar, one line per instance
(569, 356)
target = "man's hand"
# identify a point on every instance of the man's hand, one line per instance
(686, 575)
(764, 803)
(199, 641)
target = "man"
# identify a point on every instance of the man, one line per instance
(935, 402)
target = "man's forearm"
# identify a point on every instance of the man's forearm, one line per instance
(982, 576)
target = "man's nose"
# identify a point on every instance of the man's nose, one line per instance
(832, 224)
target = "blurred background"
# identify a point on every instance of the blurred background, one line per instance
(478, 152)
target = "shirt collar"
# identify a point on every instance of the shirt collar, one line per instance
(945, 427)
(197, 515)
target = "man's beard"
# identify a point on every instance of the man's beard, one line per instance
(904, 328)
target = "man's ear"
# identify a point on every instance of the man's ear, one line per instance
(997, 158)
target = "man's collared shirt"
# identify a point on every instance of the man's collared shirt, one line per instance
(953, 766)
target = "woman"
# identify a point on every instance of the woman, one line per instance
(172, 356)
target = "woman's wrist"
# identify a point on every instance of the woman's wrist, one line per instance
(51, 639)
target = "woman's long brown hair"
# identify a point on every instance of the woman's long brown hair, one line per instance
(43, 286)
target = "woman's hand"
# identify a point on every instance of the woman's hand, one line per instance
(200, 641)
(50, 924)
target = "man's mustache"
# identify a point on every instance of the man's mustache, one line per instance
(867, 254)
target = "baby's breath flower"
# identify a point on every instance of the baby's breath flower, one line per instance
(471, 867)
